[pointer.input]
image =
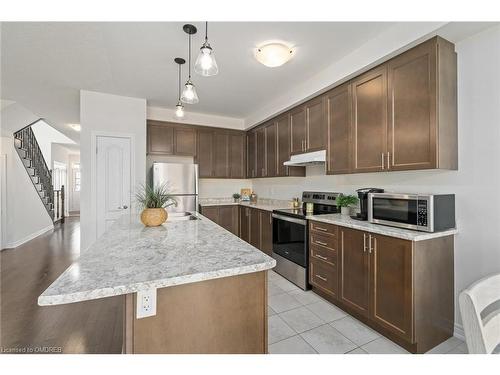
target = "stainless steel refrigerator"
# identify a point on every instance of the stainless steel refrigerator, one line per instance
(182, 182)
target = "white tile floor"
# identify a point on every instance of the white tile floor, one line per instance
(304, 323)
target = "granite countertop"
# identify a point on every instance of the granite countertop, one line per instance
(405, 234)
(130, 257)
(262, 203)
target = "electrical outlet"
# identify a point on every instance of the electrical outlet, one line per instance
(146, 303)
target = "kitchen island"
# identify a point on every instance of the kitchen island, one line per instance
(211, 287)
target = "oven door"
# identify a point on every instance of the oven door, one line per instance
(290, 238)
(398, 210)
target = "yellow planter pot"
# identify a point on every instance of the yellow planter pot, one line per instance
(153, 217)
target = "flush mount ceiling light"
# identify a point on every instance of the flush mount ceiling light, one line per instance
(75, 127)
(205, 63)
(189, 94)
(179, 108)
(274, 54)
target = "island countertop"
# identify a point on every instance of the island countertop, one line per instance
(130, 257)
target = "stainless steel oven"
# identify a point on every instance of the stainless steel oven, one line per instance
(423, 212)
(290, 248)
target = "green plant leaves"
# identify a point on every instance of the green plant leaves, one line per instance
(149, 196)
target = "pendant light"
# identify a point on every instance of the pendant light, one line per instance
(179, 108)
(189, 95)
(205, 63)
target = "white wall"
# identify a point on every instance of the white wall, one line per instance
(62, 155)
(73, 196)
(114, 114)
(477, 181)
(26, 216)
(45, 136)
(193, 118)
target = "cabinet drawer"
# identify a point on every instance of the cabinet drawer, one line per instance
(323, 240)
(323, 254)
(324, 228)
(323, 275)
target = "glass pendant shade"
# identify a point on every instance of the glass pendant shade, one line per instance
(205, 63)
(189, 94)
(179, 111)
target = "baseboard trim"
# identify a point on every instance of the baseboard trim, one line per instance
(458, 332)
(13, 245)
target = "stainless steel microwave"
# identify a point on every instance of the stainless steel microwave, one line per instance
(426, 212)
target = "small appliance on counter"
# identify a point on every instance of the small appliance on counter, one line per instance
(423, 212)
(291, 235)
(253, 198)
(363, 202)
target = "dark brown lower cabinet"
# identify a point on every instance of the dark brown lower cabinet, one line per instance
(254, 227)
(226, 216)
(403, 289)
(244, 224)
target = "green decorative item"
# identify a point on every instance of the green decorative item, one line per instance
(345, 202)
(236, 197)
(154, 199)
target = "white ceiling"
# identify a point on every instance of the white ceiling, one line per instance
(44, 65)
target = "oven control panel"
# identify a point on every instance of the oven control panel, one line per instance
(422, 213)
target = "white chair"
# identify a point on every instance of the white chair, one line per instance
(480, 309)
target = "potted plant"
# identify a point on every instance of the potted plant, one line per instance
(345, 202)
(236, 197)
(154, 199)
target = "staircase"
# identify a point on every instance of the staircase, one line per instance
(29, 151)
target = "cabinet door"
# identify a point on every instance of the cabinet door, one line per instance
(237, 151)
(412, 109)
(315, 125)
(160, 140)
(211, 212)
(254, 231)
(354, 270)
(228, 218)
(244, 224)
(266, 231)
(261, 152)
(297, 130)
(271, 154)
(369, 101)
(205, 154)
(391, 284)
(185, 142)
(283, 152)
(251, 154)
(221, 155)
(338, 113)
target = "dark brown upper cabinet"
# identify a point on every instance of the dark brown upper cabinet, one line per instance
(160, 139)
(338, 114)
(298, 130)
(251, 153)
(205, 154)
(237, 155)
(261, 152)
(221, 154)
(422, 108)
(271, 150)
(369, 106)
(283, 135)
(316, 129)
(171, 139)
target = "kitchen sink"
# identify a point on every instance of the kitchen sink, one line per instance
(181, 216)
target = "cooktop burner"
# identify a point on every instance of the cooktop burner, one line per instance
(323, 203)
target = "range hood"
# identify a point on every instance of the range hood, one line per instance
(309, 158)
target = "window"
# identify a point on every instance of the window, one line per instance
(76, 177)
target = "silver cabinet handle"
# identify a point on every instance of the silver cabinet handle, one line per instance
(321, 229)
(382, 160)
(321, 243)
(388, 160)
(321, 277)
(321, 257)
(370, 244)
(364, 243)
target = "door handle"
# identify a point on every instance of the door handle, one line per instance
(382, 160)
(321, 257)
(321, 243)
(370, 244)
(321, 277)
(364, 243)
(124, 207)
(388, 160)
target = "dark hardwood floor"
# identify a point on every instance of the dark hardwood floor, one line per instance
(26, 271)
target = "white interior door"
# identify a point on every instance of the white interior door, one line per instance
(74, 191)
(113, 180)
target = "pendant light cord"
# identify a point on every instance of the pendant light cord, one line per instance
(189, 57)
(179, 99)
(206, 31)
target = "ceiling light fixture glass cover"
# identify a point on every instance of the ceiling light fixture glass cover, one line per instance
(189, 94)
(179, 111)
(274, 54)
(205, 63)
